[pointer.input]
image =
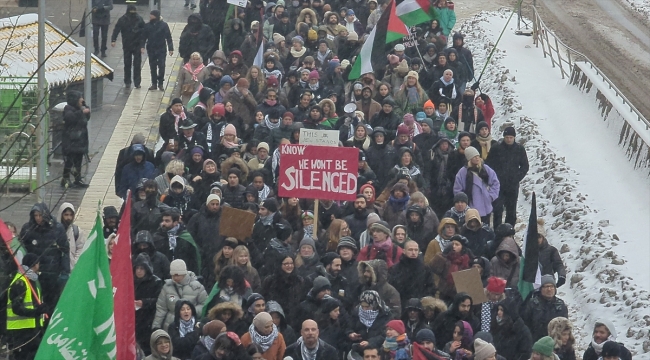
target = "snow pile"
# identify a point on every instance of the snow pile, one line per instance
(594, 203)
(642, 6)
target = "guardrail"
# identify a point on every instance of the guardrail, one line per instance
(635, 130)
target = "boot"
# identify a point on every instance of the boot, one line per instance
(79, 183)
(152, 87)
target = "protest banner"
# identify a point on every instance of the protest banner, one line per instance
(236, 223)
(469, 281)
(319, 137)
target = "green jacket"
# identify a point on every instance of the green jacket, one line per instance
(447, 19)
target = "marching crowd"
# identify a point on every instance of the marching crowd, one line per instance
(370, 278)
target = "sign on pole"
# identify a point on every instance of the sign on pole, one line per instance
(318, 172)
(319, 137)
(240, 3)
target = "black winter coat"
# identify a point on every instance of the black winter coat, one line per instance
(550, 260)
(101, 14)
(478, 239)
(157, 260)
(537, 312)
(325, 351)
(590, 353)
(196, 37)
(184, 249)
(49, 241)
(374, 335)
(512, 338)
(75, 126)
(443, 325)
(234, 196)
(145, 217)
(510, 162)
(132, 29)
(381, 159)
(339, 285)
(455, 162)
(389, 122)
(357, 223)
(411, 279)
(157, 37)
(184, 345)
(204, 228)
(167, 127)
(287, 289)
(147, 289)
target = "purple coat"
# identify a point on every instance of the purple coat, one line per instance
(482, 194)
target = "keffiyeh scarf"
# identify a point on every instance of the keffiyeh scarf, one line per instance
(186, 326)
(194, 72)
(265, 341)
(308, 354)
(367, 317)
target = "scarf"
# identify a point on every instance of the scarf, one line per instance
(384, 245)
(367, 317)
(298, 53)
(207, 342)
(599, 347)
(308, 354)
(413, 170)
(315, 86)
(194, 72)
(453, 88)
(309, 230)
(226, 143)
(459, 214)
(269, 124)
(171, 235)
(398, 204)
(267, 220)
(457, 262)
(323, 57)
(186, 326)
(486, 315)
(451, 135)
(178, 118)
(30, 274)
(264, 193)
(412, 94)
(486, 144)
(415, 129)
(472, 127)
(443, 164)
(265, 341)
(282, 248)
(443, 242)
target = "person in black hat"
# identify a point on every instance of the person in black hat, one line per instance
(170, 122)
(131, 25)
(330, 268)
(190, 138)
(25, 309)
(111, 221)
(510, 162)
(156, 39)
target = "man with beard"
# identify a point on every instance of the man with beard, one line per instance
(175, 242)
(367, 105)
(410, 277)
(76, 237)
(373, 275)
(460, 309)
(357, 220)
(131, 25)
(330, 269)
(381, 157)
(321, 289)
(413, 318)
(204, 228)
(146, 214)
(349, 48)
(111, 221)
(301, 111)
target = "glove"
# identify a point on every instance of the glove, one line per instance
(475, 86)
(560, 281)
(62, 280)
(42, 309)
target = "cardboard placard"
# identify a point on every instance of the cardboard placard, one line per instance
(236, 223)
(469, 281)
(319, 137)
(318, 172)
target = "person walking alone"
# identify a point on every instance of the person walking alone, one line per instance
(156, 39)
(131, 25)
(101, 18)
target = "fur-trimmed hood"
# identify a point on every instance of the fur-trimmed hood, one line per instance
(555, 329)
(377, 267)
(433, 304)
(241, 165)
(236, 310)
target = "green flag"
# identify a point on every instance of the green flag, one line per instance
(82, 325)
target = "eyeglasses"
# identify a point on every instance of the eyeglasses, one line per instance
(287, 264)
(345, 229)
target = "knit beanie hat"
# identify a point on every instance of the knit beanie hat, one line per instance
(461, 196)
(397, 325)
(470, 152)
(544, 346)
(372, 218)
(402, 129)
(429, 104)
(548, 279)
(328, 258)
(260, 320)
(177, 267)
(483, 349)
(270, 205)
(429, 122)
(230, 130)
(263, 145)
(320, 283)
(196, 150)
(220, 109)
(328, 304)
(610, 348)
(213, 328)
(413, 74)
(481, 125)
(212, 197)
(496, 285)
(277, 38)
(176, 101)
(314, 75)
(425, 335)
(348, 242)
(509, 131)
(307, 240)
(378, 226)
(299, 39)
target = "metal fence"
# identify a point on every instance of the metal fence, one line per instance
(572, 64)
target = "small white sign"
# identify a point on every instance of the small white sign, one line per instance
(240, 3)
(319, 137)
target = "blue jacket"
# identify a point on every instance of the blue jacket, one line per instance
(131, 175)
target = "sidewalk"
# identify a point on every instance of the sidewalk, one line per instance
(140, 115)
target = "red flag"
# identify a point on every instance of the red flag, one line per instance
(123, 292)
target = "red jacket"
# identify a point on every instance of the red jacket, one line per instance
(370, 252)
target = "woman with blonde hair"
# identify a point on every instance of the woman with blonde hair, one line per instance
(411, 97)
(189, 77)
(330, 240)
(241, 258)
(256, 79)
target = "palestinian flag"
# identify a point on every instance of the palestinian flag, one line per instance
(529, 272)
(194, 99)
(415, 12)
(389, 28)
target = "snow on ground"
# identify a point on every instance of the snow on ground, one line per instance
(642, 6)
(596, 206)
